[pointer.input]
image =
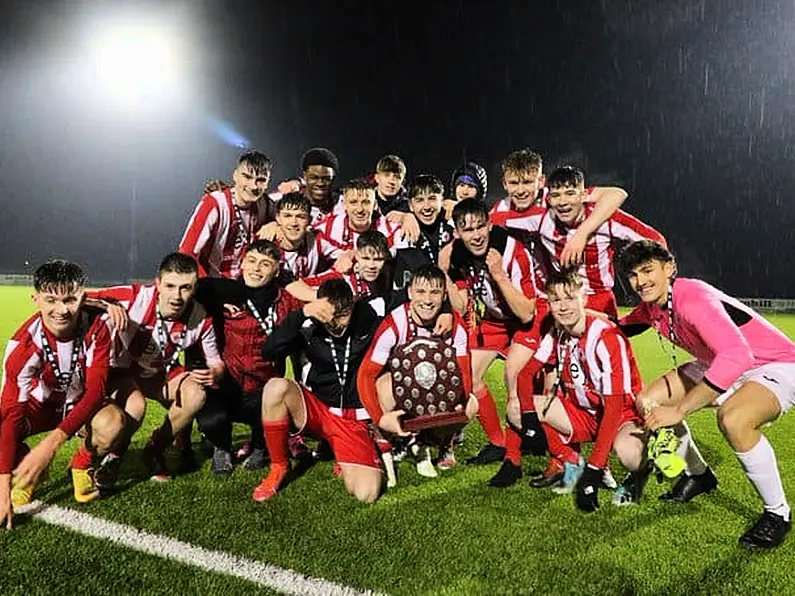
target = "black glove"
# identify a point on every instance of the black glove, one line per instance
(586, 494)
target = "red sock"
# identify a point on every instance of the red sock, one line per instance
(82, 459)
(277, 432)
(557, 448)
(526, 389)
(489, 419)
(513, 445)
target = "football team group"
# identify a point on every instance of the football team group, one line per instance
(337, 278)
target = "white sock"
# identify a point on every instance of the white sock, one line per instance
(688, 451)
(762, 470)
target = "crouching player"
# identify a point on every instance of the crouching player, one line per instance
(54, 374)
(330, 335)
(599, 379)
(156, 323)
(744, 365)
(418, 318)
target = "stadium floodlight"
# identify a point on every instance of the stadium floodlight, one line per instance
(136, 65)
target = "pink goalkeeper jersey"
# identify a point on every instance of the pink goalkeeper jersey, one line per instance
(720, 331)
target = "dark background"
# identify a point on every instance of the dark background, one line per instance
(687, 104)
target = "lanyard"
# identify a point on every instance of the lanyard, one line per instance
(243, 236)
(266, 323)
(425, 243)
(165, 340)
(361, 289)
(64, 377)
(671, 332)
(342, 369)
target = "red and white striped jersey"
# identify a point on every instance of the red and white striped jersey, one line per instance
(306, 260)
(361, 289)
(500, 212)
(341, 237)
(397, 329)
(504, 206)
(139, 346)
(219, 232)
(597, 267)
(31, 386)
(599, 363)
(475, 278)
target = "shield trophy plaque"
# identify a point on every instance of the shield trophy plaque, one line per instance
(427, 384)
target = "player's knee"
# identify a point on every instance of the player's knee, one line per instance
(192, 396)
(136, 406)
(732, 421)
(106, 426)
(366, 492)
(274, 392)
(629, 451)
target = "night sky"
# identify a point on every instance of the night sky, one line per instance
(687, 104)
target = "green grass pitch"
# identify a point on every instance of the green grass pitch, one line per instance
(452, 535)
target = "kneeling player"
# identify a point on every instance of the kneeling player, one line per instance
(418, 318)
(330, 335)
(744, 365)
(161, 321)
(599, 380)
(54, 374)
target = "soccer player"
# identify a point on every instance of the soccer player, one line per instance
(744, 366)
(417, 318)
(54, 375)
(155, 324)
(426, 196)
(331, 335)
(368, 276)
(390, 172)
(570, 221)
(302, 248)
(598, 379)
(248, 309)
(489, 279)
(341, 230)
(226, 221)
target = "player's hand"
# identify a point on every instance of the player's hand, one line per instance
(215, 185)
(204, 377)
(321, 309)
(410, 227)
(586, 493)
(289, 186)
(390, 422)
(269, 231)
(449, 205)
(232, 309)
(444, 324)
(572, 252)
(6, 509)
(663, 416)
(494, 264)
(118, 316)
(344, 262)
(444, 257)
(35, 462)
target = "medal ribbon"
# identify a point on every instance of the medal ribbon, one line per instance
(165, 339)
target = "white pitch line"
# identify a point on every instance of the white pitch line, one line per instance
(276, 578)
